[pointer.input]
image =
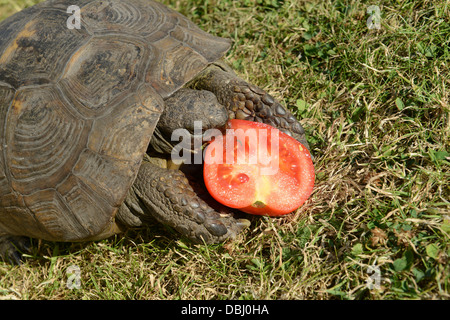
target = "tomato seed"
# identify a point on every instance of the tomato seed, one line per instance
(243, 177)
(238, 180)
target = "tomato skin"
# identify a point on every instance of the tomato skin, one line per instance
(275, 185)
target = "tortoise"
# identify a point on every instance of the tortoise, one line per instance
(87, 115)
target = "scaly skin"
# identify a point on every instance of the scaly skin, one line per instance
(165, 194)
(246, 101)
(12, 247)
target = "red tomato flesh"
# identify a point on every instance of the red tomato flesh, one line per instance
(258, 169)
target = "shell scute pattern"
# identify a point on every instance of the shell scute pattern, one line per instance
(78, 107)
(38, 53)
(102, 72)
(45, 139)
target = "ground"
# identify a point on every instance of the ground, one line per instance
(371, 87)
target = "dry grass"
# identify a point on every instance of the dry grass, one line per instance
(375, 106)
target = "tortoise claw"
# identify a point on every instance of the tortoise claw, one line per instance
(169, 198)
(216, 228)
(243, 224)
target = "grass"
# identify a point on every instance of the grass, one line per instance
(375, 105)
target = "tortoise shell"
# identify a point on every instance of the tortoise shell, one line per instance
(78, 108)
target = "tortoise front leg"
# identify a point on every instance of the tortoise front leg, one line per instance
(165, 195)
(246, 101)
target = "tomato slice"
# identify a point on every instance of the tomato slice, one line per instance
(258, 169)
